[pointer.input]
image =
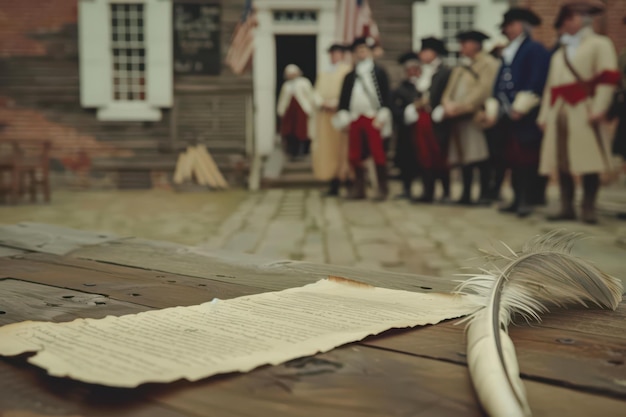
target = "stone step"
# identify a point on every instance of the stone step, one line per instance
(293, 180)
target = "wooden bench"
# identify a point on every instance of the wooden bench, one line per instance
(572, 363)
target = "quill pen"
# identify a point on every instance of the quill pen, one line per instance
(543, 274)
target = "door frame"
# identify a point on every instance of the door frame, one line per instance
(264, 67)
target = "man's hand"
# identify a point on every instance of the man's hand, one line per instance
(596, 118)
(450, 109)
(542, 126)
(515, 115)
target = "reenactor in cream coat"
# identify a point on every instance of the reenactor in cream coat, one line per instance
(582, 78)
(469, 86)
(330, 146)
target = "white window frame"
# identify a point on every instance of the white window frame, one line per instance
(96, 63)
(428, 19)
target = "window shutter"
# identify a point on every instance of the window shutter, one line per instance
(95, 56)
(159, 52)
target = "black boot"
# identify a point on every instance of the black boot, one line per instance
(407, 185)
(538, 192)
(485, 170)
(383, 183)
(468, 179)
(428, 184)
(358, 189)
(499, 174)
(444, 177)
(566, 184)
(333, 189)
(527, 179)
(591, 185)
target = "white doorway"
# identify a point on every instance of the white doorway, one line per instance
(284, 18)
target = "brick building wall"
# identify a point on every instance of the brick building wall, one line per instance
(610, 23)
(40, 99)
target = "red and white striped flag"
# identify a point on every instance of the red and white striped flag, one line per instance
(241, 50)
(354, 20)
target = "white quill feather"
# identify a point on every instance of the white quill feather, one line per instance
(543, 274)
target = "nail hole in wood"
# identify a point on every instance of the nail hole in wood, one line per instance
(201, 285)
(172, 281)
(100, 303)
(68, 296)
(160, 276)
(3, 312)
(426, 288)
(566, 341)
(616, 362)
(134, 294)
(89, 285)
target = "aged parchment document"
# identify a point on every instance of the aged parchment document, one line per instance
(223, 336)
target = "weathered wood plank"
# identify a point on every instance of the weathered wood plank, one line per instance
(125, 284)
(587, 362)
(22, 301)
(7, 252)
(244, 269)
(26, 391)
(362, 381)
(50, 239)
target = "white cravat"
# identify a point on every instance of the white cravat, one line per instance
(426, 79)
(290, 87)
(571, 42)
(509, 52)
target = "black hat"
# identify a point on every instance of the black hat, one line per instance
(434, 44)
(588, 7)
(367, 41)
(336, 47)
(409, 56)
(520, 14)
(471, 35)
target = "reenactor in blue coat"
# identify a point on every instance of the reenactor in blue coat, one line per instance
(518, 89)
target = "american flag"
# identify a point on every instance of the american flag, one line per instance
(239, 56)
(354, 20)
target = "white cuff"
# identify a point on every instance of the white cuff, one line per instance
(525, 101)
(410, 114)
(383, 116)
(437, 114)
(341, 119)
(383, 119)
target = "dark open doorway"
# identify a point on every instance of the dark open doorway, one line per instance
(300, 50)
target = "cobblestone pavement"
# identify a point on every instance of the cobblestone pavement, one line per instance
(395, 235)
(301, 225)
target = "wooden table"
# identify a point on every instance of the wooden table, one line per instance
(572, 363)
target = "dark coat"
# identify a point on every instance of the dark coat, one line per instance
(405, 94)
(527, 72)
(381, 82)
(437, 87)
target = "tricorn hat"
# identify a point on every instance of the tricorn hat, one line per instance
(472, 35)
(520, 14)
(407, 58)
(367, 41)
(337, 47)
(588, 7)
(434, 44)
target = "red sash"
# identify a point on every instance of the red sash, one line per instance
(576, 92)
